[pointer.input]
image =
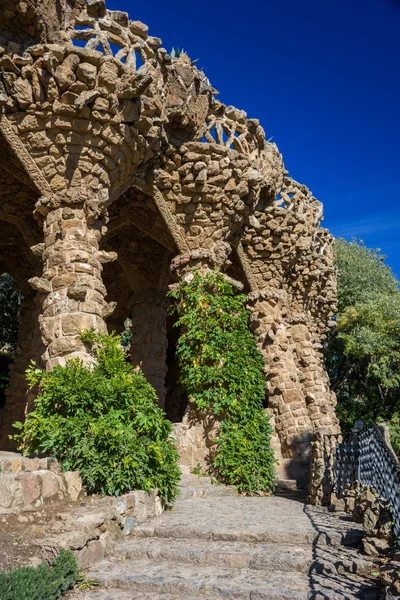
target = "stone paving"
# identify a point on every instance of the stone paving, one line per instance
(213, 546)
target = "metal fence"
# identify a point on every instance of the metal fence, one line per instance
(365, 456)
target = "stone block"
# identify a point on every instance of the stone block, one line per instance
(50, 483)
(30, 487)
(73, 484)
(91, 554)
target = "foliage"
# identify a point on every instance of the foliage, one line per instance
(9, 313)
(394, 430)
(363, 350)
(222, 371)
(178, 52)
(126, 335)
(103, 420)
(42, 582)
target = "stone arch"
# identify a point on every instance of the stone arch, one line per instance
(94, 136)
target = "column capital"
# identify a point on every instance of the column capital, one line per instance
(206, 258)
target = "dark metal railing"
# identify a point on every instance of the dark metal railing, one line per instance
(365, 456)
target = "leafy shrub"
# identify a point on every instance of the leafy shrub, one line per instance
(42, 582)
(394, 431)
(222, 371)
(103, 420)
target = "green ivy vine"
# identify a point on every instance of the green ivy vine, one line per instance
(222, 372)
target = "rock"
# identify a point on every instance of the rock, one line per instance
(73, 483)
(139, 28)
(86, 98)
(52, 484)
(376, 546)
(129, 111)
(30, 487)
(23, 92)
(96, 8)
(108, 75)
(87, 74)
(65, 73)
(129, 524)
(91, 554)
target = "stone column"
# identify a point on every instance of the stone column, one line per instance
(285, 394)
(149, 339)
(195, 436)
(320, 399)
(72, 291)
(29, 347)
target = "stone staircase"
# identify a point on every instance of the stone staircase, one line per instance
(215, 544)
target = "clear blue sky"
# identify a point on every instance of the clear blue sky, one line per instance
(324, 80)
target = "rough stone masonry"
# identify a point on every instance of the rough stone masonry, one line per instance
(119, 172)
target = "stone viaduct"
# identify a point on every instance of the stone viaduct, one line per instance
(119, 172)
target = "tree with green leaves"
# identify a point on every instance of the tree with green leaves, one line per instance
(363, 349)
(10, 300)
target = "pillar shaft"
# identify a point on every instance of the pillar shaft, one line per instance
(149, 339)
(284, 386)
(73, 291)
(321, 401)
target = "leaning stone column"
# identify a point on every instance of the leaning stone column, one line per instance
(73, 294)
(29, 347)
(149, 339)
(320, 399)
(285, 395)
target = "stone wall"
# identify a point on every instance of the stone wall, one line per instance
(122, 163)
(27, 484)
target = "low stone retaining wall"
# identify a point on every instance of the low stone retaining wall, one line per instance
(91, 529)
(29, 483)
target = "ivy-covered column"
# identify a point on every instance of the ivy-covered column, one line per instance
(222, 372)
(72, 291)
(149, 339)
(195, 436)
(284, 379)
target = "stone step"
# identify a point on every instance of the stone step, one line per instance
(340, 593)
(186, 581)
(255, 519)
(236, 555)
(190, 479)
(167, 530)
(202, 491)
(287, 485)
(116, 594)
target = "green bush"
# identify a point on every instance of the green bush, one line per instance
(222, 371)
(42, 582)
(103, 420)
(394, 431)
